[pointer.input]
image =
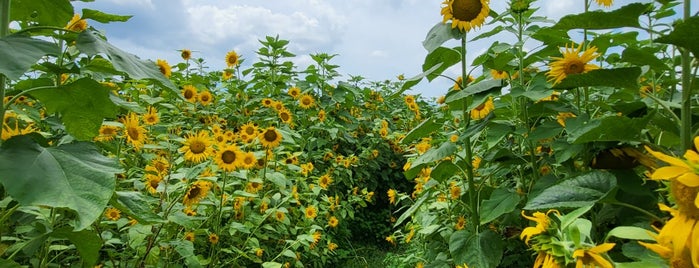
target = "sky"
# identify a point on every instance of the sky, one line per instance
(375, 39)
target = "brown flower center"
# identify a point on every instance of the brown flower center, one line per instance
(228, 157)
(575, 67)
(270, 135)
(205, 98)
(466, 10)
(133, 133)
(197, 147)
(188, 94)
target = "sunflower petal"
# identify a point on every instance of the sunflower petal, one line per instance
(602, 248)
(601, 261)
(694, 245)
(666, 158)
(668, 172)
(690, 179)
(661, 250)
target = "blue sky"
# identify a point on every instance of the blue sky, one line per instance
(377, 39)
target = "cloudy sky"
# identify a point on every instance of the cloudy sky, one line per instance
(377, 39)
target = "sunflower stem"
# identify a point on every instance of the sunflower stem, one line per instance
(686, 113)
(4, 30)
(472, 195)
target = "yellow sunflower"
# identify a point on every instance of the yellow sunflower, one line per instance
(112, 214)
(189, 236)
(606, 3)
(465, 14)
(321, 116)
(248, 160)
(249, 129)
(409, 99)
(270, 137)
(332, 246)
(164, 67)
(134, 132)
(325, 181)
(205, 97)
(306, 101)
(572, 63)
(107, 133)
(454, 191)
(545, 260)
(189, 93)
(232, 59)
(496, 74)
(197, 147)
(213, 239)
(482, 110)
(226, 75)
(77, 24)
(267, 102)
(542, 223)
(285, 115)
(228, 158)
(683, 176)
(186, 54)
(677, 241)
(151, 117)
(592, 257)
(311, 212)
(562, 116)
(391, 196)
(198, 190)
(460, 223)
(279, 215)
(294, 92)
(333, 222)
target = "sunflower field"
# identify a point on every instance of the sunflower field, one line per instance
(580, 152)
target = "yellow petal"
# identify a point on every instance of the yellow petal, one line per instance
(578, 253)
(663, 251)
(696, 202)
(691, 156)
(604, 263)
(666, 158)
(602, 248)
(696, 142)
(694, 244)
(668, 172)
(690, 179)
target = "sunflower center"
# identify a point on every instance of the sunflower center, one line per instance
(205, 98)
(270, 135)
(188, 94)
(575, 67)
(194, 192)
(480, 107)
(306, 101)
(684, 197)
(466, 10)
(228, 157)
(248, 160)
(284, 116)
(133, 133)
(197, 147)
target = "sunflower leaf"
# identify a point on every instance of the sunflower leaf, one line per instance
(684, 35)
(87, 242)
(608, 128)
(103, 17)
(439, 34)
(74, 176)
(501, 201)
(482, 249)
(423, 129)
(626, 16)
(43, 12)
(442, 56)
(579, 191)
(19, 52)
(83, 105)
(619, 78)
(90, 43)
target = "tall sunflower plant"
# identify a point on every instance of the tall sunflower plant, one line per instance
(557, 120)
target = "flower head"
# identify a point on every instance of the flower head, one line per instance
(542, 224)
(482, 110)
(164, 67)
(77, 24)
(186, 54)
(151, 117)
(197, 147)
(112, 214)
(134, 132)
(311, 212)
(270, 137)
(205, 97)
(189, 93)
(228, 158)
(465, 14)
(198, 190)
(232, 59)
(592, 257)
(572, 63)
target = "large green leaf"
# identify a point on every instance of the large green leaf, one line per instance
(186, 250)
(75, 176)
(102, 17)
(45, 12)
(579, 191)
(83, 105)
(619, 78)
(626, 16)
(90, 43)
(422, 130)
(443, 56)
(439, 34)
(643, 56)
(434, 154)
(87, 242)
(608, 128)
(482, 86)
(137, 206)
(501, 201)
(684, 35)
(20, 52)
(476, 250)
(410, 82)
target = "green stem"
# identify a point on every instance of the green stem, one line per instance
(645, 212)
(686, 112)
(4, 30)
(473, 198)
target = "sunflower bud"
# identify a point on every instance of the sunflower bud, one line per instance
(519, 6)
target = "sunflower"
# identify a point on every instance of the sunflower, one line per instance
(189, 93)
(545, 260)
(311, 212)
(134, 132)
(454, 191)
(285, 115)
(232, 59)
(325, 181)
(213, 239)
(153, 178)
(465, 14)
(606, 3)
(391, 239)
(270, 137)
(391, 196)
(683, 176)
(542, 223)
(267, 102)
(410, 235)
(562, 116)
(248, 160)
(221, 139)
(198, 190)
(189, 236)
(333, 221)
(112, 214)
(228, 158)
(460, 223)
(186, 54)
(592, 257)
(76, 24)
(151, 117)
(197, 147)
(496, 74)
(278, 105)
(249, 129)
(205, 97)
(306, 101)
(107, 133)
(482, 110)
(226, 75)
(279, 215)
(306, 168)
(572, 63)
(254, 187)
(164, 67)
(677, 240)
(259, 252)
(321, 116)
(332, 246)
(409, 99)
(294, 92)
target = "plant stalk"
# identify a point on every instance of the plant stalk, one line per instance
(472, 195)
(4, 31)
(686, 110)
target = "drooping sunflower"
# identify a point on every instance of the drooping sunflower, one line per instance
(391, 196)
(186, 54)
(151, 117)
(482, 110)
(112, 214)
(232, 59)
(198, 190)
(189, 93)
(197, 147)
(325, 181)
(205, 97)
(306, 101)
(270, 137)
(542, 223)
(606, 3)
(285, 115)
(76, 24)
(496, 74)
(294, 92)
(572, 63)
(311, 212)
(321, 116)
(465, 14)
(592, 257)
(107, 133)
(164, 67)
(134, 132)
(248, 160)
(228, 158)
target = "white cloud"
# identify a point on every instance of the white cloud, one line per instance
(141, 3)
